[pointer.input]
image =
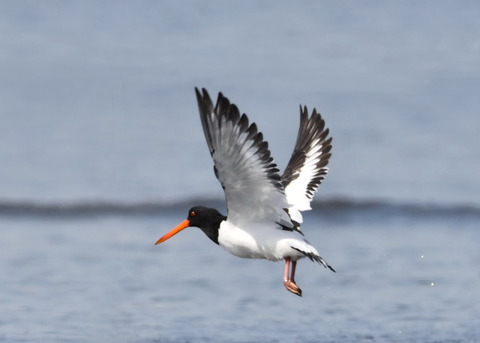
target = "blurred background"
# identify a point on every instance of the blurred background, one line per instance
(99, 121)
(98, 101)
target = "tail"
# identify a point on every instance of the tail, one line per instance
(315, 258)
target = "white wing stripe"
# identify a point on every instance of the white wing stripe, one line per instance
(308, 164)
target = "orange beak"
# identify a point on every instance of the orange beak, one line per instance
(179, 228)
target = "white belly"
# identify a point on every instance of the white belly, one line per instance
(263, 242)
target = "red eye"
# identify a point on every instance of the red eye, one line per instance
(193, 213)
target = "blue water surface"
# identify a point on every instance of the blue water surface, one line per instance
(101, 279)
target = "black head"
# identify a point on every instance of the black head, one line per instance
(207, 219)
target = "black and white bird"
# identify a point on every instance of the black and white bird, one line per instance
(263, 208)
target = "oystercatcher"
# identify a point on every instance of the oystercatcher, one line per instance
(263, 217)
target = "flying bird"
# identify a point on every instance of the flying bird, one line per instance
(263, 207)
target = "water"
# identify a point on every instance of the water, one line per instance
(99, 278)
(102, 152)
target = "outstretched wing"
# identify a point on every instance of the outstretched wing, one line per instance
(243, 165)
(308, 165)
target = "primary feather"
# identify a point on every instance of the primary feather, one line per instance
(243, 164)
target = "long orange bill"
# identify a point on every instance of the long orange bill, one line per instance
(179, 228)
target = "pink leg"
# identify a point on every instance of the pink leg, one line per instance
(292, 275)
(287, 270)
(288, 281)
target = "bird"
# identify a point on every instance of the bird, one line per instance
(263, 207)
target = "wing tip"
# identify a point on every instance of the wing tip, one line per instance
(313, 147)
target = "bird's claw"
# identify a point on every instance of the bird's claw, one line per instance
(291, 286)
